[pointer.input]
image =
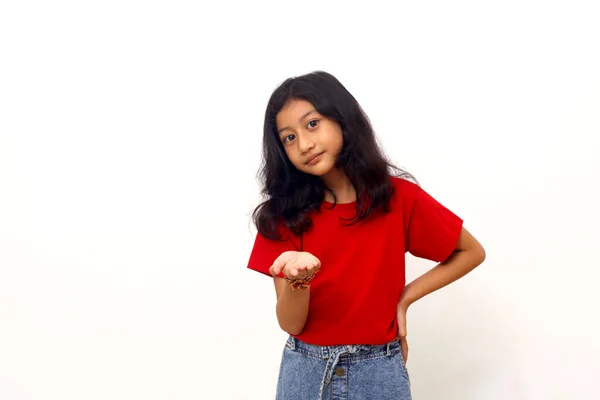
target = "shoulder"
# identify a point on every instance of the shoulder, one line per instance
(274, 229)
(405, 192)
(403, 183)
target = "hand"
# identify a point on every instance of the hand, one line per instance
(295, 265)
(401, 316)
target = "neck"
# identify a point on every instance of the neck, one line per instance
(339, 184)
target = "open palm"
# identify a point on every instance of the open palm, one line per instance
(295, 264)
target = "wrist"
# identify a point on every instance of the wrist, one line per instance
(300, 283)
(403, 306)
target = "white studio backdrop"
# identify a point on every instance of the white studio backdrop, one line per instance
(130, 137)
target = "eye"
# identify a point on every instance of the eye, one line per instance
(288, 138)
(311, 125)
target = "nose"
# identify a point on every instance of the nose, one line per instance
(305, 142)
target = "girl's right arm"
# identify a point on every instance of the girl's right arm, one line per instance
(292, 305)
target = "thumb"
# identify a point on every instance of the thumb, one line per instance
(277, 267)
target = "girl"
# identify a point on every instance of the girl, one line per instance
(333, 233)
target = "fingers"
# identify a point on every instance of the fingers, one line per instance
(404, 346)
(401, 316)
(295, 268)
(299, 271)
(296, 271)
(313, 266)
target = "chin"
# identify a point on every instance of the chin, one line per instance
(318, 170)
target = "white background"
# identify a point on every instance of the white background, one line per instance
(130, 137)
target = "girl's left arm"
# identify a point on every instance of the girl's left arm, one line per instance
(469, 253)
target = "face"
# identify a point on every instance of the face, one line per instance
(311, 141)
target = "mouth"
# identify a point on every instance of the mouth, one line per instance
(314, 158)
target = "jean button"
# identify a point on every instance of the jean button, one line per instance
(339, 371)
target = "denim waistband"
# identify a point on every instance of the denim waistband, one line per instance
(332, 354)
(353, 352)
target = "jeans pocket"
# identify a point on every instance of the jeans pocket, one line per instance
(278, 395)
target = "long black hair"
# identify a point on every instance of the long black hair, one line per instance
(292, 194)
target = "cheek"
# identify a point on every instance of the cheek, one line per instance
(292, 156)
(338, 142)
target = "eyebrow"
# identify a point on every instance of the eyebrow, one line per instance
(301, 118)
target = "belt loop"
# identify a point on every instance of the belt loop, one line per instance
(388, 350)
(292, 342)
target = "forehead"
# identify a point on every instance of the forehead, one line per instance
(292, 112)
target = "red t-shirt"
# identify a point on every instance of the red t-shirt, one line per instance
(353, 299)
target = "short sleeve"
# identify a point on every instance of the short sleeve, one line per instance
(433, 230)
(266, 251)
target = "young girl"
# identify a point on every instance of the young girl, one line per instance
(333, 233)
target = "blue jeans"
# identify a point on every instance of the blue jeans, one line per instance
(351, 372)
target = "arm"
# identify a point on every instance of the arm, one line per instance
(292, 306)
(468, 254)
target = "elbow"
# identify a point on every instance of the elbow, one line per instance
(479, 254)
(294, 331)
(293, 328)
(292, 324)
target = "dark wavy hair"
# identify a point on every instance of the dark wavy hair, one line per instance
(292, 194)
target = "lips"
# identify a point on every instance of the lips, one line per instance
(311, 158)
